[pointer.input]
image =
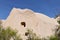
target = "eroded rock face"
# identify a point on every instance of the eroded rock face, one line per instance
(24, 19)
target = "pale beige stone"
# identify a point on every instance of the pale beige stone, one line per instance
(41, 24)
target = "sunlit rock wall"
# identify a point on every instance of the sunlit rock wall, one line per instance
(41, 24)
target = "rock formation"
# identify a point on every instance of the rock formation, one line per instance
(23, 19)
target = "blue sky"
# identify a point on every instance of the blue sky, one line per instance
(47, 7)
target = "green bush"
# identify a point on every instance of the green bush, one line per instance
(53, 38)
(8, 33)
(58, 21)
(32, 36)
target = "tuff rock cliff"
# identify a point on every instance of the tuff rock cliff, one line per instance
(23, 19)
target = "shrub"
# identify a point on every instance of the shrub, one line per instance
(8, 33)
(32, 36)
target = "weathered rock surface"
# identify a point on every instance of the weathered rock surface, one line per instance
(41, 24)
